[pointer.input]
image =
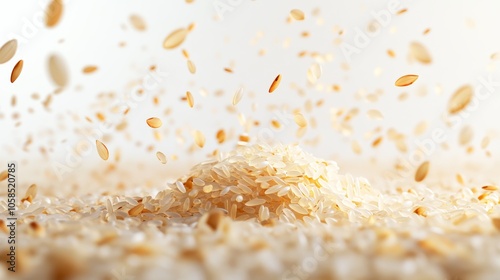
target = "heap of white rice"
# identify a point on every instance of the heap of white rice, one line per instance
(262, 212)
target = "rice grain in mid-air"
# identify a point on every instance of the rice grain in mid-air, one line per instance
(18, 68)
(422, 171)
(460, 99)
(8, 50)
(297, 14)
(275, 83)
(405, 80)
(102, 150)
(175, 39)
(154, 122)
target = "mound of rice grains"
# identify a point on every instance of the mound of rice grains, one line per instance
(267, 182)
(261, 212)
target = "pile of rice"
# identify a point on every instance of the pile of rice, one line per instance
(262, 212)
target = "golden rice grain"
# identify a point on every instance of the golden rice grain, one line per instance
(314, 73)
(54, 13)
(460, 99)
(276, 124)
(377, 142)
(191, 67)
(460, 179)
(199, 138)
(402, 11)
(221, 136)
(391, 53)
(161, 157)
(175, 39)
(490, 188)
(58, 70)
(228, 70)
(237, 96)
(137, 22)
(8, 50)
(375, 114)
(297, 14)
(420, 128)
(89, 69)
(154, 122)
(300, 120)
(102, 150)
(190, 99)
(485, 142)
(4, 175)
(136, 210)
(466, 135)
(356, 148)
(420, 53)
(275, 83)
(406, 80)
(16, 71)
(422, 171)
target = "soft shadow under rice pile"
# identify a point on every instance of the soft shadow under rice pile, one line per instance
(263, 212)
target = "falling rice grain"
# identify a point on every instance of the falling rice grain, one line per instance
(54, 13)
(191, 67)
(154, 122)
(237, 96)
(190, 99)
(175, 38)
(375, 114)
(138, 22)
(300, 120)
(221, 136)
(420, 53)
(275, 83)
(422, 171)
(406, 80)
(460, 99)
(297, 14)
(16, 71)
(58, 70)
(161, 157)
(356, 148)
(466, 135)
(485, 142)
(89, 69)
(199, 138)
(102, 150)
(8, 50)
(490, 188)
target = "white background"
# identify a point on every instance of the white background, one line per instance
(463, 36)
